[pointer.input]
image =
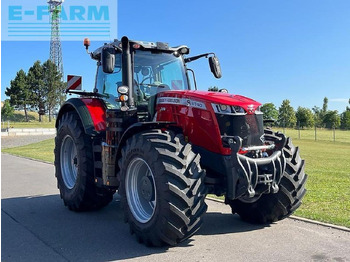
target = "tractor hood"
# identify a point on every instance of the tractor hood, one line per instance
(214, 97)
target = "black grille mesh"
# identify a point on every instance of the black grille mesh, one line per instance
(248, 127)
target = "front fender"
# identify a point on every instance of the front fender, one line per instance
(141, 126)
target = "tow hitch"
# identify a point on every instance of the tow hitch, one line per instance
(252, 176)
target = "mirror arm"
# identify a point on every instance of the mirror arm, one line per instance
(190, 59)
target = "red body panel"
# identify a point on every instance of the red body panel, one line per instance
(217, 97)
(193, 112)
(97, 112)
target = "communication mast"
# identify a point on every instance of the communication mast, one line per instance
(55, 9)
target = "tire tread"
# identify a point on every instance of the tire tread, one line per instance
(183, 192)
(273, 207)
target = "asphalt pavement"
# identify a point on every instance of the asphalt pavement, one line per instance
(37, 227)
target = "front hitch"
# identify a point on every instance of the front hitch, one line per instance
(248, 176)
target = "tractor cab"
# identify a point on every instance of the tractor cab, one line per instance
(132, 73)
(153, 72)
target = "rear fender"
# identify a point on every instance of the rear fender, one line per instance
(91, 111)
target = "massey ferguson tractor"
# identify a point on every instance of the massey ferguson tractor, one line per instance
(149, 134)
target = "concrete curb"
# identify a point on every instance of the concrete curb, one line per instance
(298, 218)
(28, 131)
(4, 134)
(320, 223)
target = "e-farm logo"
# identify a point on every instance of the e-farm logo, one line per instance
(34, 20)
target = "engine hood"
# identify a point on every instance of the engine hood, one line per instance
(214, 97)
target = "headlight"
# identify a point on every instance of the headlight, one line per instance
(223, 107)
(228, 110)
(123, 90)
(238, 109)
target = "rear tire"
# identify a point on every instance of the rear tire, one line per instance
(162, 188)
(74, 167)
(272, 207)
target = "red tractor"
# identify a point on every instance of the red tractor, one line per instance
(144, 132)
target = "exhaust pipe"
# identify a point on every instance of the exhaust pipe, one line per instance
(127, 70)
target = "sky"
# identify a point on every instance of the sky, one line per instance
(269, 50)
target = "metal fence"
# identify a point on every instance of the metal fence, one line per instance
(317, 134)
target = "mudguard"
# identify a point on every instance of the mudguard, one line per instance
(92, 113)
(142, 126)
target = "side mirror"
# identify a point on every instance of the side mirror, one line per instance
(108, 59)
(215, 66)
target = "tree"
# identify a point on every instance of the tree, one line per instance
(53, 86)
(270, 112)
(345, 119)
(213, 89)
(325, 105)
(286, 114)
(304, 117)
(63, 95)
(331, 119)
(19, 92)
(7, 111)
(41, 88)
(318, 116)
(36, 85)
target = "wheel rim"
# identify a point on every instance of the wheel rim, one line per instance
(140, 190)
(69, 162)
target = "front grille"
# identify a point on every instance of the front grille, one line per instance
(248, 127)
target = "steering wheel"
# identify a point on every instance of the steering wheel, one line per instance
(146, 78)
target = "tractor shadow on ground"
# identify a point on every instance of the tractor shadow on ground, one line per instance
(216, 223)
(84, 236)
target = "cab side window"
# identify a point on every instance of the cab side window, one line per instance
(173, 76)
(108, 83)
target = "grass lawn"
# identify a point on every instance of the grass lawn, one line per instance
(35, 124)
(328, 195)
(41, 151)
(327, 164)
(18, 121)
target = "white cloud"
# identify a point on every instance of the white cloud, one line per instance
(340, 100)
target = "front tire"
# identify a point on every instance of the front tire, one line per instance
(74, 167)
(162, 188)
(273, 207)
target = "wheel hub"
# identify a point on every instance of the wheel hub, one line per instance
(146, 188)
(69, 161)
(140, 190)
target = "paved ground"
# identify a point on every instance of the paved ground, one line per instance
(37, 227)
(13, 141)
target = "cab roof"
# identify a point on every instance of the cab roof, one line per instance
(142, 45)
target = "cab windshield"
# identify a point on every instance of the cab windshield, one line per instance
(153, 73)
(156, 72)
